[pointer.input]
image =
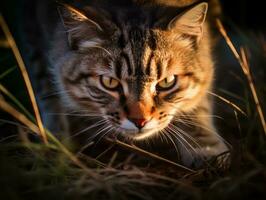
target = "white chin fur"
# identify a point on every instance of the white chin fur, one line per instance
(142, 136)
(131, 130)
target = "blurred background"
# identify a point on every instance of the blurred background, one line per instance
(246, 14)
(245, 22)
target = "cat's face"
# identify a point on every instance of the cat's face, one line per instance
(135, 76)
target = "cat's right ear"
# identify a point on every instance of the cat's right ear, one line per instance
(191, 21)
(77, 25)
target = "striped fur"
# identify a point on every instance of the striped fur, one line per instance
(140, 43)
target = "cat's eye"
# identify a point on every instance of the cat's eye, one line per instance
(167, 83)
(109, 82)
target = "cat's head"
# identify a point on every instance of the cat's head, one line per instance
(135, 68)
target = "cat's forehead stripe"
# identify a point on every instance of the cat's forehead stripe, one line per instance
(128, 63)
(149, 63)
(136, 37)
(159, 70)
(118, 68)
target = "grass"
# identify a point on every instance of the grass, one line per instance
(246, 69)
(25, 75)
(34, 167)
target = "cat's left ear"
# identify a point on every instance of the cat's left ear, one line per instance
(81, 26)
(72, 16)
(191, 21)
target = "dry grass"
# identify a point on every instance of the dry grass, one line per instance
(242, 59)
(229, 103)
(25, 75)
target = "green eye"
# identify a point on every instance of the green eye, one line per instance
(167, 83)
(109, 82)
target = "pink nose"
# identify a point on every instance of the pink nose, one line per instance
(140, 123)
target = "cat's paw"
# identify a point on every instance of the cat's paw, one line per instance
(221, 161)
(211, 157)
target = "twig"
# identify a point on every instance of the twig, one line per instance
(17, 115)
(247, 72)
(25, 75)
(245, 67)
(15, 100)
(228, 102)
(228, 41)
(7, 72)
(87, 159)
(148, 154)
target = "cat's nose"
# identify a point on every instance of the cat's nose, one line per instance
(140, 123)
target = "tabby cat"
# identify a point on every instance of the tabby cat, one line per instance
(129, 69)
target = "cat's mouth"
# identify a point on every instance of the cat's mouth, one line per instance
(129, 131)
(141, 134)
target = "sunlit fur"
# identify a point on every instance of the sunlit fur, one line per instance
(139, 47)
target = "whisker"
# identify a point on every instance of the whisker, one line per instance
(186, 134)
(194, 116)
(54, 94)
(77, 115)
(101, 122)
(205, 128)
(228, 102)
(160, 135)
(164, 138)
(106, 126)
(181, 141)
(180, 136)
(193, 123)
(193, 140)
(183, 133)
(95, 134)
(172, 141)
(85, 147)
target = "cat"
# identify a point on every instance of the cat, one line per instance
(134, 69)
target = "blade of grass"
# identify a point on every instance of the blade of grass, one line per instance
(228, 102)
(7, 72)
(86, 158)
(16, 101)
(247, 72)
(25, 75)
(17, 115)
(148, 154)
(231, 94)
(245, 68)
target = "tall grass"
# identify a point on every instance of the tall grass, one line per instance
(25, 75)
(242, 59)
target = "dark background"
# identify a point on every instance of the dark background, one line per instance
(245, 21)
(246, 14)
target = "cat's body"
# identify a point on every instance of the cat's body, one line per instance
(134, 69)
